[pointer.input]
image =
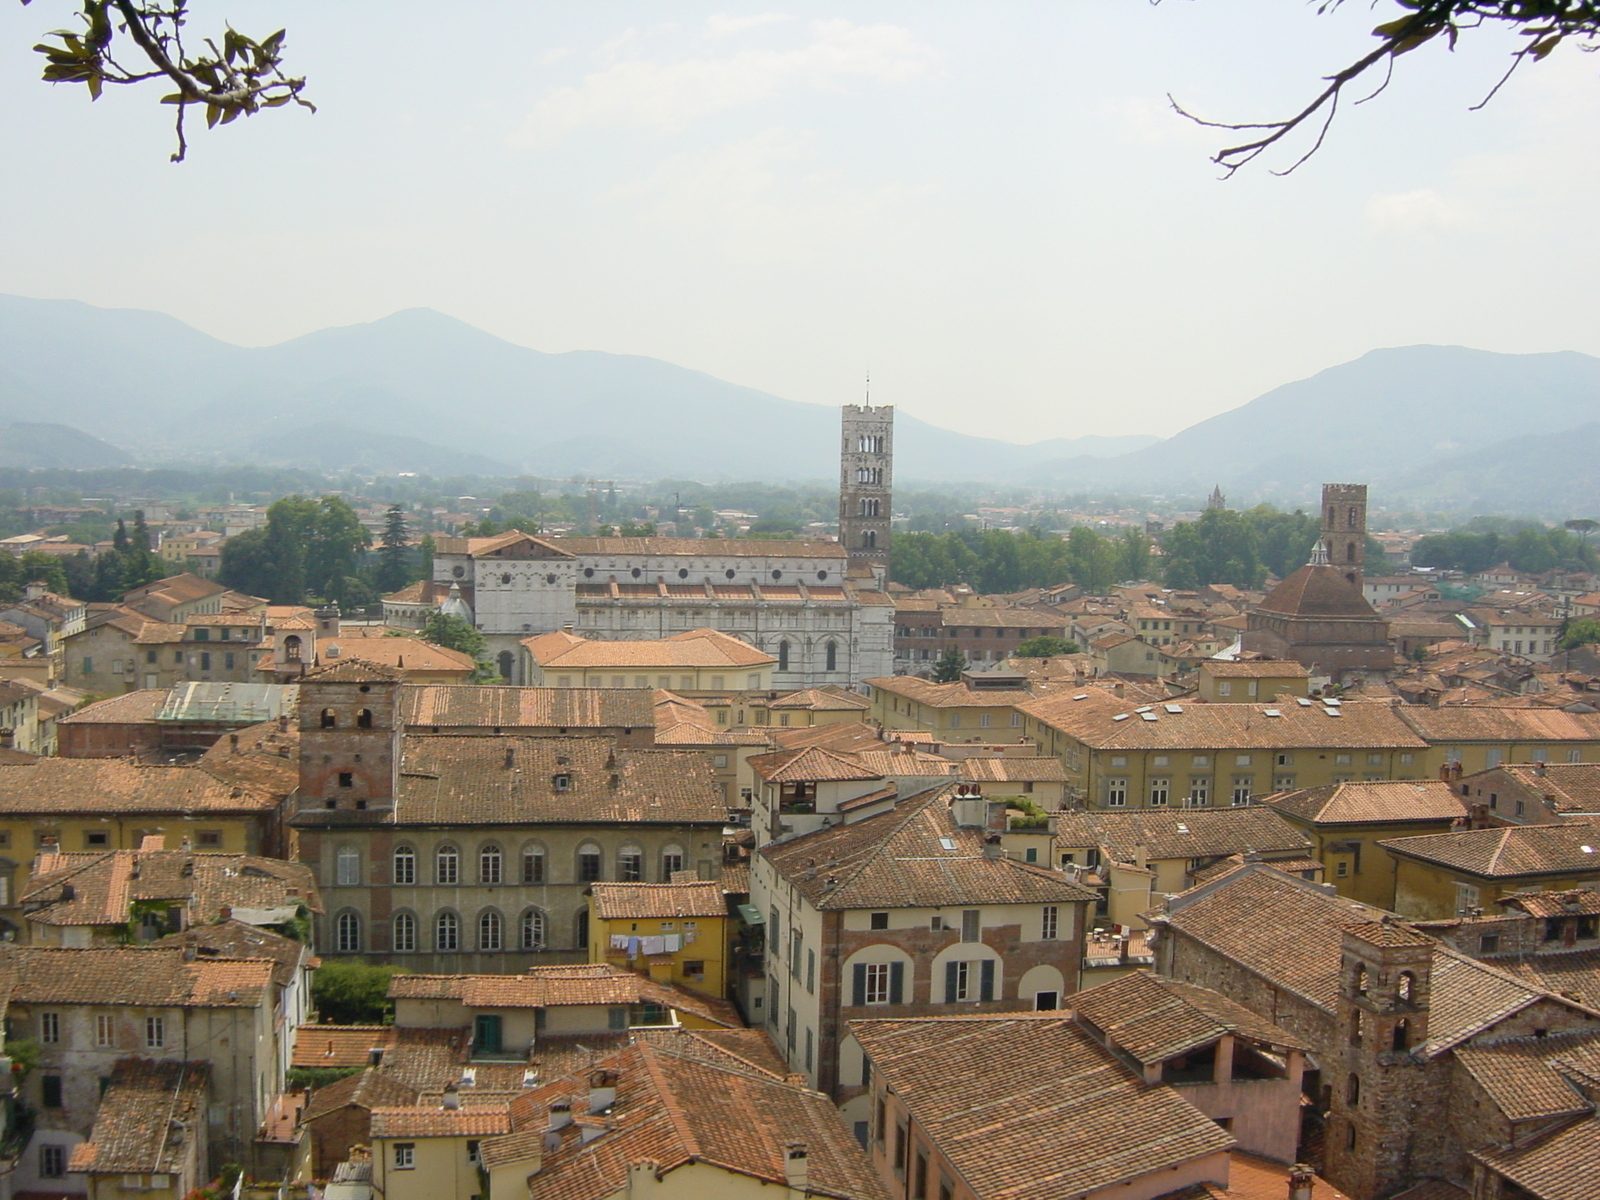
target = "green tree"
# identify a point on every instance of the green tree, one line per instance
(457, 633)
(353, 993)
(950, 665)
(1583, 632)
(394, 553)
(333, 557)
(426, 549)
(248, 565)
(1044, 646)
(1220, 547)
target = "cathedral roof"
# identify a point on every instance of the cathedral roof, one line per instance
(1317, 590)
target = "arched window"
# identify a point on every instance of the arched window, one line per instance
(1406, 986)
(1350, 553)
(346, 866)
(347, 932)
(783, 656)
(447, 931)
(671, 860)
(491, 930)
(588, 863)
(1353, 516)
(533, 930)
(533, 864)
(1352, 1091)
(869, 539)
(630, 863)
(580, 929)
(364, 719)
(1401, 1041)
(831, 657)
(1361, 980)
(447, 865)
(291, 647)
(489, 865)
(506, 662)
(329, 720)
(405, 933)
(405, 864)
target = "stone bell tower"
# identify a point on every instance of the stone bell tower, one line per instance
(1385, 981)
(1344, 528)
(866, 474)
(350, 729)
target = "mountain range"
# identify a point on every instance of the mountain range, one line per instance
(421, 391)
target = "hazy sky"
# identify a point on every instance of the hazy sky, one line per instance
(988, 205)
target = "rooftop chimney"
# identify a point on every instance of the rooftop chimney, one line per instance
(797, 1170)
(602, 1091)
(1538, 768)
(991, 847)
(1119, 689)
(560, 1115)
(1300, 1181)
(451, 1100)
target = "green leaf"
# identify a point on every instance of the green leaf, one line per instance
(212, 113)
(94, 87)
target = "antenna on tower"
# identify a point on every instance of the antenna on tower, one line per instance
(869, 387)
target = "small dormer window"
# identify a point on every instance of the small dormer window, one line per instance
(562, 782)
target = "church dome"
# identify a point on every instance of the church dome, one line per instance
(1317, 590)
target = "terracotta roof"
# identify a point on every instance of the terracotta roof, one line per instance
(1155, 1019)
(97, 888)
(1469, 723)
(1371, 803)
(1522, 1078)
(369, 1089)
(1182, 833)
(1509, 850)
(899, 859)
(675, 1106)
(702, 648)
(645, 901)
(1575, 787)
(1317, 591)
(657, 547)
(1554, 904)
(234, 939)
(553, 987)
(1559, 1167)
(1013, 770)
(822, 699)
(356, 670)
(810, 764)
(1057, 1114)
(156, 978)
(339, 1045)
(433, 1121)
(129, 708)
(741, 1049)
(949, 695)
(143, 1117)
(105, 785)
(1254, 668)
(452, 706)
(400, 654)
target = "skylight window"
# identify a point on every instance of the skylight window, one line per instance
(1173, 708)
(1271, 712)
(1122, 716)
(948, 843)
(1149, 716)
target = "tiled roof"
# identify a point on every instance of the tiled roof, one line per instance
(419, 1121)
(234, 939)
(399, 654)
(96, 888)
(1155, 1019)
(738, 1048)
(1559, 1167)
(356, 670)
(899, 859)
(1554, 904)
(370, 1089)
(1575, 787)
(1094, 721)
(1371, 803)
(146, 1112)
(675, 1106)
(822, 699)
(1182, 833)
(705, 648)
(125, 975)
(106, 785)
(658, 547)
(1013, 770)
(339, 1045)
(1056, 1114)
(1316, 590)
(552, 987)
(1509, 850)
(810, 764)
(1469, 723)
(620, 901)
(1252, 668)
(1521, 1077)
(452, 706)
(176, 589)
(949, 695)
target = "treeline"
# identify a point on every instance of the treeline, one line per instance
(318, 550)
(1532, 549)
(1222, 546)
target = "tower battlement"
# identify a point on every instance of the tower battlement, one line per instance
(866, 480)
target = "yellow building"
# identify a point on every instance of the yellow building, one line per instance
(695, 661)
(1346, 821)
(428, 1153)
(958, 711)
(1249, 680)
(672, 932)
(1181, 754)
(1443, 875)
(1476, 737)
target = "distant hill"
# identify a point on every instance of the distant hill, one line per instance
(1550, 473)
(165, 390)
(31, 445)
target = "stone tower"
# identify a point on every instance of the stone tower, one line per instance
(1344, 527)
(866, 470)
(350, 729)
(1385, 978)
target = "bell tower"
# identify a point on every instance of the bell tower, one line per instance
(866, 474)
(1344, 528)
(1385, 981)
(350, 729)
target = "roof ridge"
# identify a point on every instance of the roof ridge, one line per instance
(870, 854)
